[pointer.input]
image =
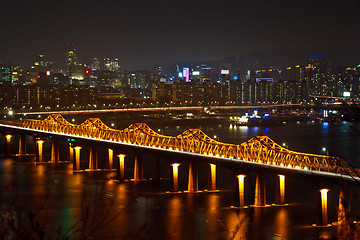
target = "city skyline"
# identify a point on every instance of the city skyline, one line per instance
(161, 32)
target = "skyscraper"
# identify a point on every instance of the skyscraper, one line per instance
(111, 64)
(70, 55)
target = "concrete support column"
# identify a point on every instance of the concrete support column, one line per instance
(323, 203)
(175, 167)
(344, 210)
(280, 190)
(138, 168)
(241, 185)
(55, 151)
(156, 169)
(193, 177)
(212, 177)
(77, 158)
(111, 158)
(39, 144)
(260, 191)
(121, 166)
(22, 144)
(71, 154)
(8, 143)
(93, 158)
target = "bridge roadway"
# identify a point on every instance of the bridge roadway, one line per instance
(253, 155)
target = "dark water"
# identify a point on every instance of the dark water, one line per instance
(94, 207)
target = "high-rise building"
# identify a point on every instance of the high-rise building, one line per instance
(157, 73)
(90, 62)
(206, 73)
(40, 61)
(111, 64)
(71, 55)
(186, 74)
(6, 75)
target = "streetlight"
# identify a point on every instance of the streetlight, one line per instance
(285, 145)
(326, 151)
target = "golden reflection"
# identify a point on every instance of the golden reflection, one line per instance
(174, 219)
(237, 225)
(282, 223)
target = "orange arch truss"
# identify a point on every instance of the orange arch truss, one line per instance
(259, 149)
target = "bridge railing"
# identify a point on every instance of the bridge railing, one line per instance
(259, 149)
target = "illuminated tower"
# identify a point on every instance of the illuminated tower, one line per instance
(111, 64)
(70, 55)
(40, 61)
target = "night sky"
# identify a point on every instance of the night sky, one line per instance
(143, 33)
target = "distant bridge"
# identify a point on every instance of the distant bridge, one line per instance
(155, 109)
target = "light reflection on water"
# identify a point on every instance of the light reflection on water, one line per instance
(137, 210)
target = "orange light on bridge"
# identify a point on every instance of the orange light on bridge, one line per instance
(241, 179)
(8, 143)
(111, 158)
(212, 177)
(40, 149)
(282, 189)
(8, 137)
(77, 157)
(175, 167)
(323, 193)
(121, 166)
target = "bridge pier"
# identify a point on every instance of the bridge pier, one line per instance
(193, 177)
(76, 163)
(55, 151)
(323, 221)
(260, 191)
(240, 187)
(121, 170)
(280, 190)
(138, 168)
(93, 164)
(344, 210)
(22, 144)
(39, 153)
(71, 154)
(156, 169)
(175, 168)
(8, 143)
(111, 158)
(212, 177)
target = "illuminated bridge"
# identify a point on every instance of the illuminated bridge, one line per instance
(259, 154)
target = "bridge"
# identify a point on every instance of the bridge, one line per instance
(156, 109)
(258, 154)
